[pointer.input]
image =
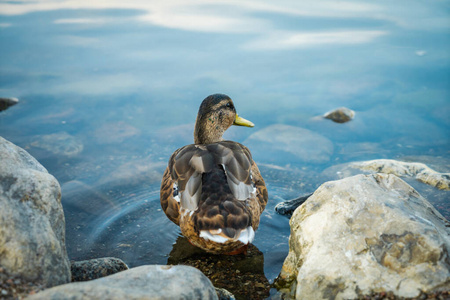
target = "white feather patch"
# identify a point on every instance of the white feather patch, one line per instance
(212, 237)
(177, 198)
(191, 195)
(246, 236)
(175, 191)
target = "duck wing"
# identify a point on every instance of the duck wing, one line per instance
(216, 184)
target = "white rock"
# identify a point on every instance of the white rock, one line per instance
(145, 282)
(32, 225)
(364, 234)
(415, 170)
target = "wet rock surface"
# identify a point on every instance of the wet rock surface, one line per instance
(32, 225)
(242, 275)
(223, 294)
(145, 282)
(96, 268)
(424, 173)
(418, 170)
(365, 236)
(295, 143)
(16, 287)
(340, 115)
(288, 207)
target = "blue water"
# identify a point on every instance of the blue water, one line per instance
(108, 91)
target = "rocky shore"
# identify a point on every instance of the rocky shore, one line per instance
(366, 236)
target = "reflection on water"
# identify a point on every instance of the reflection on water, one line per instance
(108, 90)
(242, 275)
(128, 226)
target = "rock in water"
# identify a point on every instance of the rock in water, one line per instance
(418, 170)
(32, 226)
(340, 115)
(96, 268)
(366, 234)
(145, 282)
(60, 143)
(288, 207)
(7, 102)
(293, 143)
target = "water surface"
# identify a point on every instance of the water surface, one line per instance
(109, 90)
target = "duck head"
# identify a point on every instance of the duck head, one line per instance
(216, 114)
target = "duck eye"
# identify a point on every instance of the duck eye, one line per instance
(229, 105)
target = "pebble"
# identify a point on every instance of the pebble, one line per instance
(340, 115)
(7, 102)
(96, 268)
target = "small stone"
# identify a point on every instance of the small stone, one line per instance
(223, 294)
(340, 115)
(96, 268)
(288, 207)
(7, 102)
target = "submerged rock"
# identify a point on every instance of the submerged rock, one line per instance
(60, 143)
(145, 282)
(366, 234)
(340, 115)
(32, 225)
(135, 172)
(96, 268)
(294, 143)
(7, 102)
(113, 133)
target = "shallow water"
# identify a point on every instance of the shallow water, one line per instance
(108, 91)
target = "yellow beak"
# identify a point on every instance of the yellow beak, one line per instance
(242, 122)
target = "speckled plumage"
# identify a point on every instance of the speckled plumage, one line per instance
(214, 188)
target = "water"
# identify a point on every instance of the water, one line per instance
(109, 90)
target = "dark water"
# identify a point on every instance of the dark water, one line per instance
(107, 92)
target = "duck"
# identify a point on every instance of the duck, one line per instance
(212, 189)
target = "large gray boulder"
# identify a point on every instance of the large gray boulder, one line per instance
(32, 225)
(366, 234)
(145, 282)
